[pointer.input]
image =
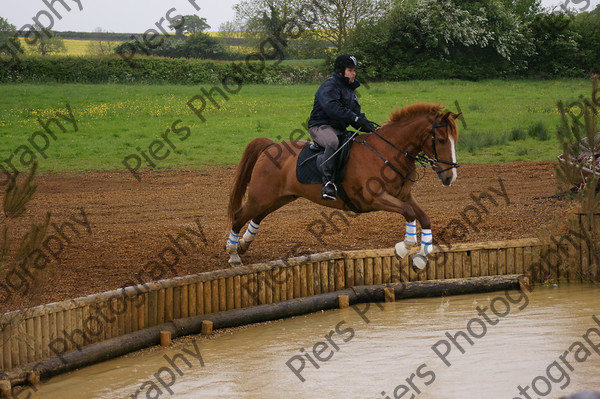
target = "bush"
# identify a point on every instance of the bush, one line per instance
(149, 70)
(443, 39)
(518, 134)
(197, 45)
(474, 140)
(539, 131)
(448, 39)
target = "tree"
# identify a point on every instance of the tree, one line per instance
(196, 45)
(425, 35)
(49, 42)
(229, 34)
(309, 46)
(587, 25)
(556, 45)
(201, 45)
(327, 20)
(279, 19)
(335, 19)
(525, 9)
(190, 24)
(103, 44)
(9, 42)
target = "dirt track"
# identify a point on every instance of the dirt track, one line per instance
(128, 222)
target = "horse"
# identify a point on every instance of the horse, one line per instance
(379, 175)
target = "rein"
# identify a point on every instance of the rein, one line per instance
(385, 161)
(421, 158)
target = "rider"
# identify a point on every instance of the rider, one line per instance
(336, 106)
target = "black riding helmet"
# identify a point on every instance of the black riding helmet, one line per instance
(345, 61)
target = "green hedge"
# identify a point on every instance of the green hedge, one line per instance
(150, 70)
(429, 68)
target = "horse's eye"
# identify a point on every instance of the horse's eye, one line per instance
(442, 141)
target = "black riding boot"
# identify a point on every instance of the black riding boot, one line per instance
(329, 191)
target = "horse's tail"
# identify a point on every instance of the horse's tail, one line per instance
(244, 172)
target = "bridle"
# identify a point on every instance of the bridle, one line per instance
(420, 158)
(436, 159)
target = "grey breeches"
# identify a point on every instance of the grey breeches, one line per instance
(325, 135)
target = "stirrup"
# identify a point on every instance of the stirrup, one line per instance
(326, 195)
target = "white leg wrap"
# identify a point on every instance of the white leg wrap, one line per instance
(426, 242)
(410, 239)
(232, 241)
(248, 237)
(411, 232)
(251, 231)
(232, 249)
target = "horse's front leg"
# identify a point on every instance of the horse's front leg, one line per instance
(411, 212)
(388, 202)
(235, 241)
(419, 259)
(232, 248)
(410, 240)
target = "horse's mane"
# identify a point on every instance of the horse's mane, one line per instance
(419, 109)
(411, 111)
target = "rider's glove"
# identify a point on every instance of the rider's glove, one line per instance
(364, 124)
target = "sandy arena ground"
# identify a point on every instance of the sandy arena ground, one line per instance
(114, 227)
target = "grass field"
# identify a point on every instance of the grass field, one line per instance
(114, 120)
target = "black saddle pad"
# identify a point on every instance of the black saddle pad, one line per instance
(307, 170)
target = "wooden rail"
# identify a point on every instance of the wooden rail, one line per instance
(31, 335)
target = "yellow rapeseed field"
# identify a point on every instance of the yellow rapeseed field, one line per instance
(73, 46)
(80, 47)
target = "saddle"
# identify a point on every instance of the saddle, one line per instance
(308, 172)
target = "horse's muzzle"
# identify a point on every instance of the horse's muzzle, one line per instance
(446, 175)
(446, 180)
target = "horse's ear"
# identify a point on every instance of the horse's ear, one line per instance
(455, 116)
(446, 115)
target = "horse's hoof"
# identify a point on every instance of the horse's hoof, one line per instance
(235, 261)
(419, 262)
(402, 249)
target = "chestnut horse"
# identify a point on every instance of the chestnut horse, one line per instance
(380, 173)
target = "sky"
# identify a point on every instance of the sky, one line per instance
(137, 16)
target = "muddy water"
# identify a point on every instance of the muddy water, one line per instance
(508, 339)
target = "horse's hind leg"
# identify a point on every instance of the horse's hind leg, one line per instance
(255, 213)
(254, 224)
(240, 217)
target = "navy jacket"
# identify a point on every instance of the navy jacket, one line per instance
(336, 104)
